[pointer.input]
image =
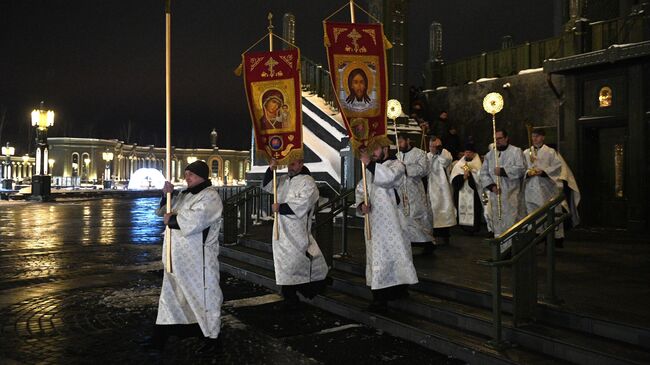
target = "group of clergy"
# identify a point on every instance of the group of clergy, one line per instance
(401, 211)
(405, 211)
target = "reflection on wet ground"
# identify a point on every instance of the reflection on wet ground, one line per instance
(38, 240)
(80, 281)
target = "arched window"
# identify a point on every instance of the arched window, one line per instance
(215, 168)
(75, 164)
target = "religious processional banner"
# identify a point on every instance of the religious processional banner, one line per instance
(272, 83)
(356, 54)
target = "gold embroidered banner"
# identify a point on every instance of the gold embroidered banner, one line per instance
(357, 62)
(272, 83)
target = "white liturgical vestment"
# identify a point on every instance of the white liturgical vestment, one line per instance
(389, 261)
(413, 196)
(191, 292)
(290, 260)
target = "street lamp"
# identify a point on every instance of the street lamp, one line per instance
(7, 151)
(107, 157)
(42, 181)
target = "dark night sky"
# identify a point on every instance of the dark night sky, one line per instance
(100, 64)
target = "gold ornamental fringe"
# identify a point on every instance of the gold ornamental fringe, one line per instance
(387, 44)
(326, 39)
(239, 70)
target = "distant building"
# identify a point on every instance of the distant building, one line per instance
(80, 160)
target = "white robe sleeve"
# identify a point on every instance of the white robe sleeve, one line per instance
(162, 209)
(388, 175)
(444, 159)
(515, 167)
(419, 167)
(485, 175)
(201, 214)
(554, 167)
(302, 199)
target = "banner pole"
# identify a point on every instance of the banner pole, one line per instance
(276, 222)
(352, 11)
(168, 124)
(496, 164)
(366, 219)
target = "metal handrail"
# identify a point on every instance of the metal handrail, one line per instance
(325, 221)
(239, 209)
(544, 217)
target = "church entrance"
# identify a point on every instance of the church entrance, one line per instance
(605, 177)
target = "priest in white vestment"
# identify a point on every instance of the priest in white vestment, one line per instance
(439, 191)
(190, 298)
(543, 180)
(298, 262)
(389, 261)
(464, 179)
(413, 197)
(511, 171)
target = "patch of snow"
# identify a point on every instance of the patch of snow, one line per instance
(530, 71)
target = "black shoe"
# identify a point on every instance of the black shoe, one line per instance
(379, 307)
(291, 305)
(211, 346)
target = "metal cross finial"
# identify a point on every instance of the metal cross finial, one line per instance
(270, 18)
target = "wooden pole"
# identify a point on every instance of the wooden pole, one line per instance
(366, 219)
(496, 164)
(168, 130)
(276, 222)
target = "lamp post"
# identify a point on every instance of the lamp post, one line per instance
(107, 157)
(7, 151)
(42, 181)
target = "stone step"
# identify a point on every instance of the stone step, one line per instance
(553, 341)
(548, 314)
(435, 336)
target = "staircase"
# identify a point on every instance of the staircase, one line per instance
(447, 318)
(457, 321)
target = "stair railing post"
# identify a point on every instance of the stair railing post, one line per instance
(550, 257)
(496, 296)
(344, 228)
(246, 196)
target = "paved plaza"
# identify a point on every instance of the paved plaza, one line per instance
(79, 284)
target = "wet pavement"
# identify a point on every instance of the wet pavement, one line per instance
(79, 284)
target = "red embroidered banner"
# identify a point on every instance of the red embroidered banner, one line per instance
(357, 62)
(272, 83)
